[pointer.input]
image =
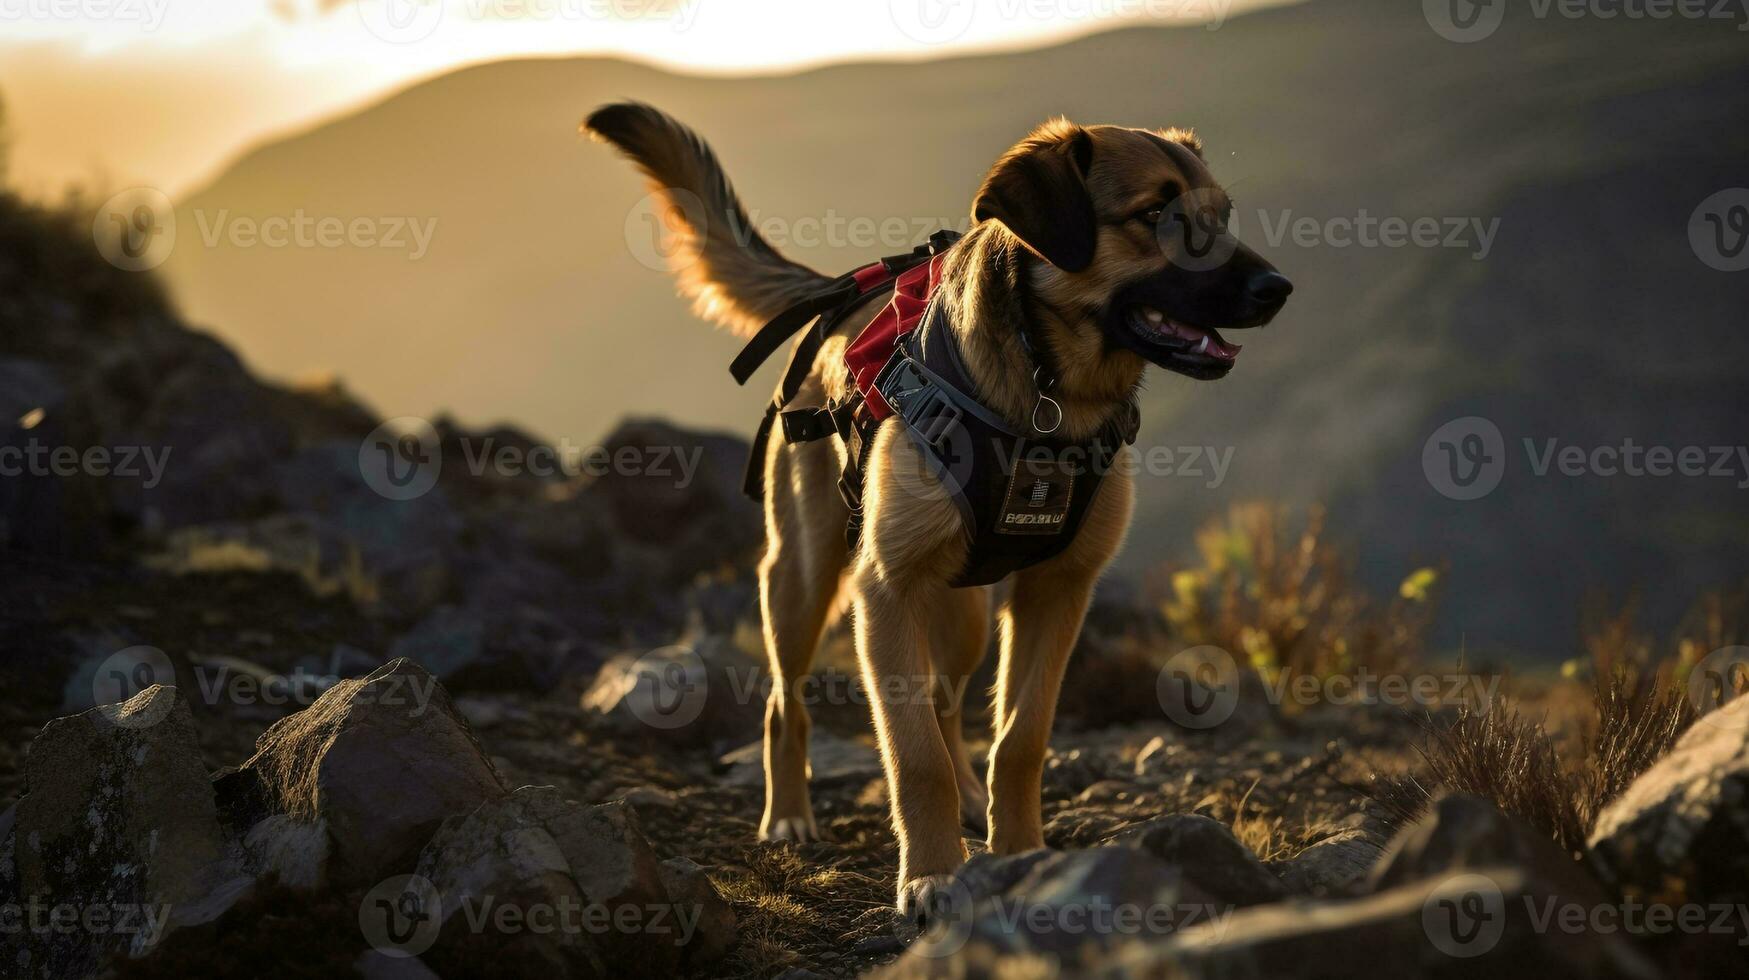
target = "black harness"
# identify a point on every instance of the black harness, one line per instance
(1021, 497)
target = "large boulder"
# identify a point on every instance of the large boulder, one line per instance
(1485, 923)
(379, 762)
(1049, 913)
(1465, 833)
(535, 881)
(1680, 832)
(118, 829)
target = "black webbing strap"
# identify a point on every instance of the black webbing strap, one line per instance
(829, 307)
(784, 326)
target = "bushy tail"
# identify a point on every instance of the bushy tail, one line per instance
(731, 274)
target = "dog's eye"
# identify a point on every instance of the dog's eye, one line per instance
(1154, 214)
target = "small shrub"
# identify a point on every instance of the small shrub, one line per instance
(1286, 601)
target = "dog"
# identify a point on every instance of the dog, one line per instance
(1111, 246)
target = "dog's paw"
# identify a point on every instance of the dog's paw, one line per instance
(800, 830)
(928, 900)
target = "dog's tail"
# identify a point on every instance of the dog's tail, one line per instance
(731, 274)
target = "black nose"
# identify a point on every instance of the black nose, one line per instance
(1269, 288)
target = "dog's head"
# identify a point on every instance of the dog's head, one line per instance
(1135, 232)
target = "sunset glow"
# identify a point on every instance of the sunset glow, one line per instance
(78, 75)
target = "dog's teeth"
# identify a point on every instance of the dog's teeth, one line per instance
(1203, 347)
(1154, 316)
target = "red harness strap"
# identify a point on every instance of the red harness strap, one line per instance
(872, 348)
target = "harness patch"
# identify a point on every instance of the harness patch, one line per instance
(1040, 490)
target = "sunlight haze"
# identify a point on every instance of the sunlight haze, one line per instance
(79, 76)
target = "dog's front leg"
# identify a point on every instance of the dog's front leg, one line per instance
(899, 680)
(1039, 625)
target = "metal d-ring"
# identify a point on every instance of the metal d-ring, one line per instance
(1043, 400)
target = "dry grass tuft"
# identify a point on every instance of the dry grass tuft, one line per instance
(1252, 823)
(1636, 706)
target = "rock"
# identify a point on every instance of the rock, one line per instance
(492, 712)
(1208, 854)
(381, 761)
(589, 868)
(296, 854)
(646, 798)
(376, 965)
(405, 547)
(1336, 865)
(118, 817)
(1463, 833)
(450, 642)
(1065, 911)
(43, 510)
(1680, 832)
(696, 695)
(697, 901)
(986, 874)
(674, 498)
(829, 757)
(1473, 924)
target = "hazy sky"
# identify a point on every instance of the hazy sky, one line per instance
(163, 92)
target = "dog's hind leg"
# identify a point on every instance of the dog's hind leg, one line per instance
(798, 580)
(958, 637)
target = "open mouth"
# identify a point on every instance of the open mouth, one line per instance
(1197, 351)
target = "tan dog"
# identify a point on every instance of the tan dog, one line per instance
(1115, 242)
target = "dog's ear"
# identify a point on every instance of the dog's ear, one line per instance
(1038, 190)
